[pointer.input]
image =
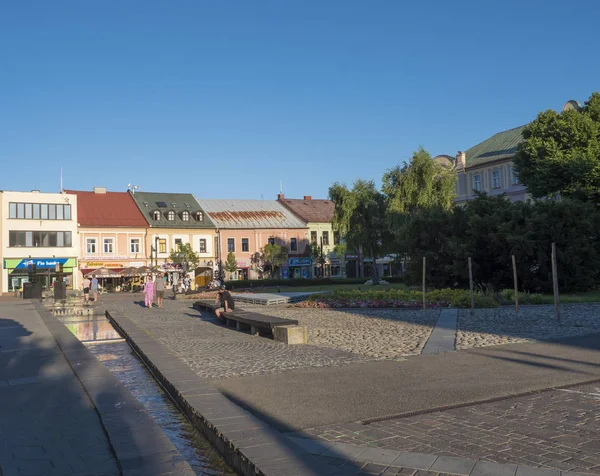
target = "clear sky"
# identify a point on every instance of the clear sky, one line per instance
(226, 98)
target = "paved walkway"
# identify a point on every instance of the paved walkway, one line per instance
(443, 337)
(48, 425)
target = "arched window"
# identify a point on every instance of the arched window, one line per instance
(199, 216)
(171, 215)
(185, 216)
(156, 215)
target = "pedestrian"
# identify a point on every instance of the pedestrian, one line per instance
(186, 283)
(149, 291)
(226, 300)
(160, 291)
(86, 290)
(95, 288)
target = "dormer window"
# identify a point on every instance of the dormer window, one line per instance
(199, 216)
(185, 216)
(156, 215)
(171, 215)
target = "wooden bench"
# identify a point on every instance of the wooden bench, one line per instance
(252, 320)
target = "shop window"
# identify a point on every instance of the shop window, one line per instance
(293, 244)
(156, 215)
(245, 245)
(202, 245)
(231, 245)
(336, 271)
(108, 245)
(90, 246)
(313, 237)
(325, 238)
(171, 215)
(162, 245)
(134, 245)
(185, 216)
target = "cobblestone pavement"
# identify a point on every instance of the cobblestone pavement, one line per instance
(503, 325)
(558, 429)
(379, 333)
(216, 352)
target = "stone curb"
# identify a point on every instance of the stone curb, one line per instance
(246, 443)
(138, 443)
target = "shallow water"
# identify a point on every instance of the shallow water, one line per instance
(108, 346)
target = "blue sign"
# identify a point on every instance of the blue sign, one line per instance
(41, 263)
(299, 261)
(285, 273)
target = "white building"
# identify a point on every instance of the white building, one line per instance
(41, 229)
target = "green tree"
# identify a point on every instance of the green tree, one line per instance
(317, 255)
(185, 256)
(560, 153)
(230, 264)
(273, 257)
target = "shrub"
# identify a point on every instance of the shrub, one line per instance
(260, 283)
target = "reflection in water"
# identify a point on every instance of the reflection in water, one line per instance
(128, 369)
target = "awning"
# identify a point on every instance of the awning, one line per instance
(112, 273)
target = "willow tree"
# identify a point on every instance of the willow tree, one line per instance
(360, 219)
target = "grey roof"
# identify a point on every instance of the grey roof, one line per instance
(250, 214)
(502, 145)
(149, 202)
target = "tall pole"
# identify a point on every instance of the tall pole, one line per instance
(471, 286)
(424, 270)
(555, 283)
(514, 265)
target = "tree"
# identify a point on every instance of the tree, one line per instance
(231, 264)
(360, 219)
(274, 256)
(185, 256)
(317, 255)
(560, 153)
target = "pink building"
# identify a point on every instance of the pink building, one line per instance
(244, 227)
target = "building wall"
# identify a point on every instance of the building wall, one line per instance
(37, 225)
(465, 184)
(335, 266)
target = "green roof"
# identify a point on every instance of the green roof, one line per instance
(149, 203)
(502, 145)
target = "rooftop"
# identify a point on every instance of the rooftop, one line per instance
(107, 209)
(250, 214)
(174, 210)
(309, 210)
(502, 145)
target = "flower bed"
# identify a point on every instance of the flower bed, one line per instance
(396, 298)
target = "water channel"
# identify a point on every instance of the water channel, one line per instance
(99, 336)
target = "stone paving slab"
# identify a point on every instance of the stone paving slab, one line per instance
(444, 334)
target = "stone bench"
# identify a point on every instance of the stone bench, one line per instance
(283, 330)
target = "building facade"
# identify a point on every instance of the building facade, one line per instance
(112, 231)
(244, 227)
(317, 215)
(175, 219)
(38, 229)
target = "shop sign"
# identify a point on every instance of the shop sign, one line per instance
(242, 263)
(102, 264)
(299, 261)
(41, 263)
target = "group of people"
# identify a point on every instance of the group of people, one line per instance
(90, 285)
(151, 287)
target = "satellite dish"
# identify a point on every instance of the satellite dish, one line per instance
(572, 105)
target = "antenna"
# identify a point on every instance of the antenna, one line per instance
(132, 188)
(281, 186)
(61, 182)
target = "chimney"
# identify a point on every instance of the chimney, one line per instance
(461, 160)
(99, 190)
(307, 197)
(281, 196)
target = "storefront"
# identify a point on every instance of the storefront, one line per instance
(298, 268)
(243, 269)
(18, 271)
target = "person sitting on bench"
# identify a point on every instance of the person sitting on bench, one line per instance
(226, 300)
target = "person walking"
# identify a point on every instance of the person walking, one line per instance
(86, 290)
(226, 300)
(149, 291)
(160, 290)
(95, 288)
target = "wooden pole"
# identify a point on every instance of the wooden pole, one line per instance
(471, 286)
(555, 283)
(514, 263)
(424, 270)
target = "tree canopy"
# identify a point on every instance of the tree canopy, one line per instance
(230, 263)
(560, 153)
(270, 259)
(185, 256)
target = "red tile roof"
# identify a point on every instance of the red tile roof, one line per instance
(108, 209)
(314, 211)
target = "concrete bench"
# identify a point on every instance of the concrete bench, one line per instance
(283, 330)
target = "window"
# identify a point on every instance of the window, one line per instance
(134, 245)
(313, 237)
(34, 239)
(162, 245)
(271, 241)
(202, 246)
(171, 215)
(52, 212)
(325, 238)
(44, 211)
(68, 242)
(336, 238)
(496, 179)
(29, 238)
(20, 210)
(477, 183)
(36, 211)
(199, 216)
(67, 212)
(108, 245)
(185, 216)
(178, 244)
(245, 245)
(28, 211)
(156, 215)
(514, 176)
(12, 210)
(293, 244)
(231, 245)
(60, 239)
(90, 246)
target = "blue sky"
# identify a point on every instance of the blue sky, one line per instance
(225, 99)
